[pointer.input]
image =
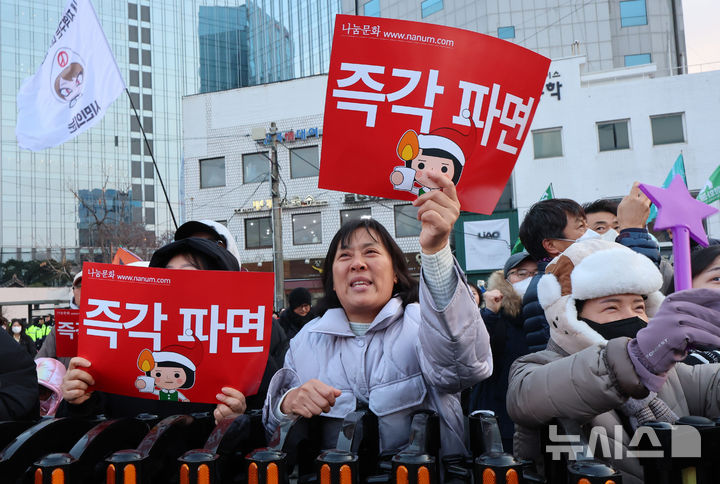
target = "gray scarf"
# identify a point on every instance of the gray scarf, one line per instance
(650, 408)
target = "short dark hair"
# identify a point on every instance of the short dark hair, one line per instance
(547, 219)
(602, 205)
(701, 258)
(189, 374)
(406, 286)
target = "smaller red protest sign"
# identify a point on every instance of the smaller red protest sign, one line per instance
(66, 332)
(408, 98)
(176, 335)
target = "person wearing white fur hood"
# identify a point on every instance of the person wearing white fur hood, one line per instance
(604, 366)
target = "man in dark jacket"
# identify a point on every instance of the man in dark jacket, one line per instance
(18, 382)
(298, 313)
(551, 226)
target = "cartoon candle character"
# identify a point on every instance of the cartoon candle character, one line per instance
(166, 372)
(440, 151)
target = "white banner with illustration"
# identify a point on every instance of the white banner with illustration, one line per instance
(75, 84)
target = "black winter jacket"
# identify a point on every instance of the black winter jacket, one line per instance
(18, 381)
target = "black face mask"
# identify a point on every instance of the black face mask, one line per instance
(616, 329)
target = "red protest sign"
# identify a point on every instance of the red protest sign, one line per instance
(405, 98)
(174, 334)
(66, 332)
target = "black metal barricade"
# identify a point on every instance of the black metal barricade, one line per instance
(684, 452)
(155, 458)
(186, 449)
(84, 461)
(47, 436)
(568, 457)
(221, 458)
(355, 456)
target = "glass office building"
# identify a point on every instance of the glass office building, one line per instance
(165, 50)
(290, 39)
(223, 36)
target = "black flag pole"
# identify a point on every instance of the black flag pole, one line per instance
(152, 156)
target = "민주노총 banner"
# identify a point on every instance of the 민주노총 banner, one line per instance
(408, 98)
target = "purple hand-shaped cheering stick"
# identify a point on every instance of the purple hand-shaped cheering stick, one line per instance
(681, 213)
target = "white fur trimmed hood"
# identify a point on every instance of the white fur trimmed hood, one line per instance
(590, 269)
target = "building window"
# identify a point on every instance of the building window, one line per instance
(258, 233)
(547, 143)
(304, 162)
(354, 214)
(212, 172)
(256, 167)
(633, 12)
(667, 129)
(133, 33)
(429, 7)
(637, 59)
(307, 228)
(372, 8)
(506, 32)
(406, 222)
(613, 135)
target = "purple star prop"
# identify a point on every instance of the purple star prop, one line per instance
(680, 212)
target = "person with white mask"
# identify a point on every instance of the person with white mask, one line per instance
(551, 226)
(601, 216)
(502, 316)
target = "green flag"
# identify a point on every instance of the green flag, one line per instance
(711, 191)
(678, 168)
(547, 195)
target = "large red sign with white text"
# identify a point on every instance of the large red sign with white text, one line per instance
(406, 98)
(174, 334)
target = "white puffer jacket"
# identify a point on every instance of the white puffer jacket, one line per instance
(409, 359)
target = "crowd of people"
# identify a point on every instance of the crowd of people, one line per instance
(583, 325)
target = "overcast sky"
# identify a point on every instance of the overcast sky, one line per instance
(702, 33)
